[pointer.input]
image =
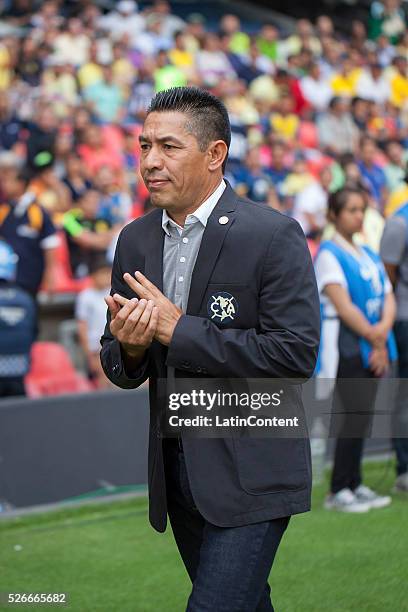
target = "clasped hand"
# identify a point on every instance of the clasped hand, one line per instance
(379, 362)
(136, 322)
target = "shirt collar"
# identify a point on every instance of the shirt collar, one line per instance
(201, 214)
(353, 249)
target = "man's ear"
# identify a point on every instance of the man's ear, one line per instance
(217, 152)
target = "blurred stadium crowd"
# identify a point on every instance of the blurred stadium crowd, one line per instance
(311, 110)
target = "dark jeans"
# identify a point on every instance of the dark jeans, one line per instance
(229, 567)
(353, 406)
(400, 423)
(11, 387)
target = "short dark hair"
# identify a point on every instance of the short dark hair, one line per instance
(392, 141)
(24, 175)
(356, 100)
(98, 262)
(365, 139)
(208, 116)
(334, 101)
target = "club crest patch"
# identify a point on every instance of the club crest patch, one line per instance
(222, 307)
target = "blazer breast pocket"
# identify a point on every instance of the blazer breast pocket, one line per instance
(230, 305)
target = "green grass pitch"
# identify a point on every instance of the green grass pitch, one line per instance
(108, 558)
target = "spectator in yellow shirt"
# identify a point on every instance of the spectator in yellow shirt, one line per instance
(91, 72)
(399, 82)
(284, 122)
(5, 67)
(344, 83)
(179, 56)
(124, 72)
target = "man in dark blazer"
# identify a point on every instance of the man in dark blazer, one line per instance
(228, 500)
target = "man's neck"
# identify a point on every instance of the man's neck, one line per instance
(180, 216)
(14, 200)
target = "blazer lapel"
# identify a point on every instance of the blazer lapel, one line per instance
(211, 245)
(154, 254)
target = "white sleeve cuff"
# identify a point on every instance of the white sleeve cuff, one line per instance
(50, 242)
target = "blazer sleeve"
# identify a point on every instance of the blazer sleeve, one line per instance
(111, 354)
(286, 341)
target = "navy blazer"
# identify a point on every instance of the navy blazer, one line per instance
(260, 257)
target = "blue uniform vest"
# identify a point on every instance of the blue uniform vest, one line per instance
(366, 291)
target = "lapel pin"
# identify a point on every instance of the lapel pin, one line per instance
(223, 220)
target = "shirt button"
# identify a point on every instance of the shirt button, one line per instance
(181, 278)
(185, 240)
(182, 259)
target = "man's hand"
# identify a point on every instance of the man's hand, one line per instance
(169, 313)
(133, 325)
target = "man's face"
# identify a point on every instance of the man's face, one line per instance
(340, 107)
(376, 71)
(11, 187)
(253, 159)
(278, 155)
(75, 26)
(325, 25)
(93, 136)
(4, 103)
(107, 74)
(102, 278)
(286, 105)
(304, 28)
(269, 33)
(368, 152)
(173, 168)
(89, 204)
(180, 43)
(401, 66)
(104, 178)
(395, 153)
(347, 66)
(47, 121)
(326, 178)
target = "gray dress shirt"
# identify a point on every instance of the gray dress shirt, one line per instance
(181, 246)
